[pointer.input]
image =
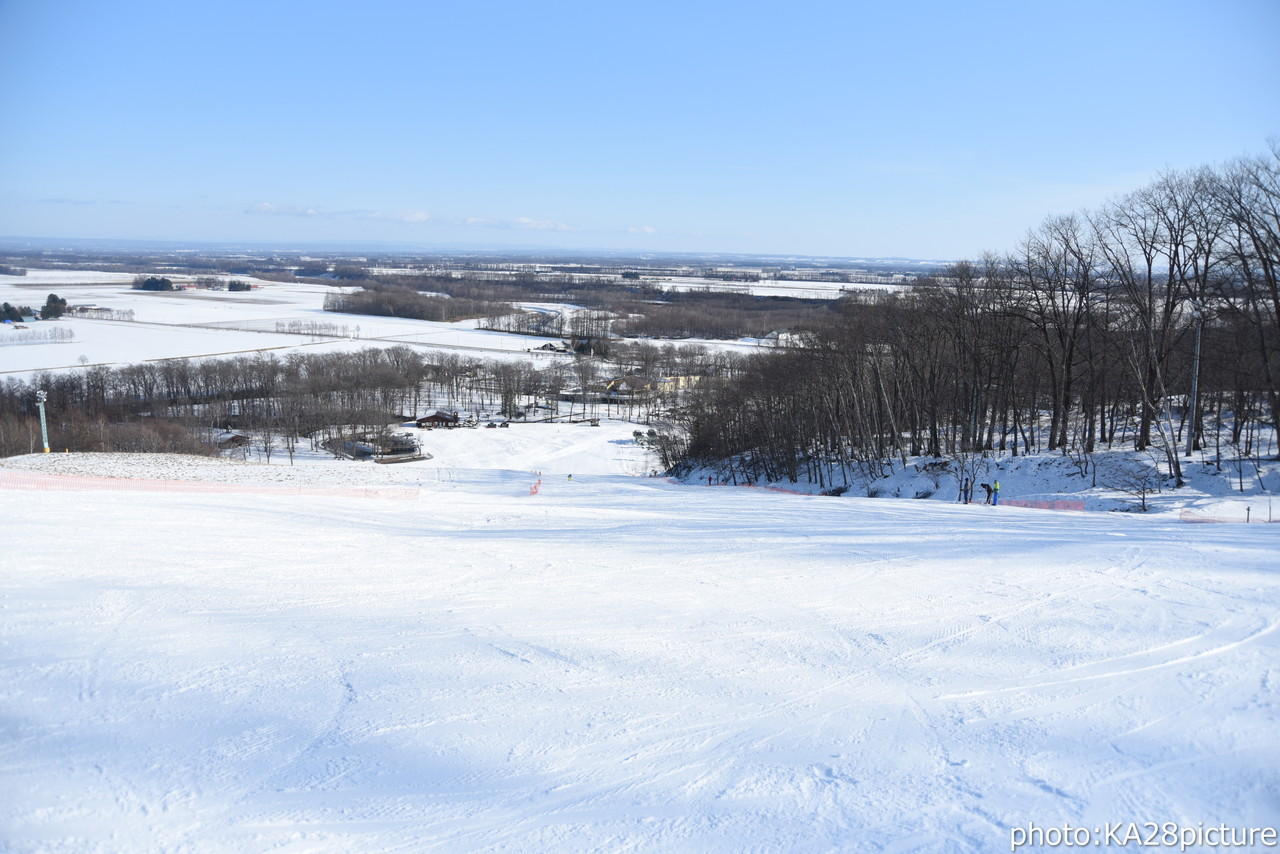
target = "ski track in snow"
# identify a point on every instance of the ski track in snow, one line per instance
(616, 663)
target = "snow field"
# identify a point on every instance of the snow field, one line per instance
(558, 449)
(616, 663)
(1229, 490)
(204, 324)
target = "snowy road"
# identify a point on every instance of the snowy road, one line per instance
(620, 664)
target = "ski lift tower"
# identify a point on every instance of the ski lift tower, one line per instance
(44, 430)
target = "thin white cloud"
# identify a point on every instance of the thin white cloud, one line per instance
(422, 217)
(417, 216)
(539, 224)
(398, 216)
(515, 222)
(272, 209)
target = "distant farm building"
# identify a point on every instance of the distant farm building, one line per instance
(680, 383)
(784, 338)
(228, 439)
(630, 385)
(439, 419)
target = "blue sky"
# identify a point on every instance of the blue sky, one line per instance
(922, 129)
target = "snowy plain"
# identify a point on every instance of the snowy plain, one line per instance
(209, 323)
(195, 324)
(478, 652)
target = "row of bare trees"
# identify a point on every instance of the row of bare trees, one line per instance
(397, 300)
(319, 395)
(1130, 324)
(606, 305)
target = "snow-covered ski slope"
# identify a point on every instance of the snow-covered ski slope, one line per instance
(615, 663)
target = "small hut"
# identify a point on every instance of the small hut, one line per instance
(439, 419)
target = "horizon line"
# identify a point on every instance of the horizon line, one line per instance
(15, 242)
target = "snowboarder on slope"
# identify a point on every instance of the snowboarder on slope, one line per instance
(995, 493)
(987, 487)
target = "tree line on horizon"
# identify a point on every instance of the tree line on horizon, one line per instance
(1131, 324)
(621, 307)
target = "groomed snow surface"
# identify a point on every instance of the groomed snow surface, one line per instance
(291, 660)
